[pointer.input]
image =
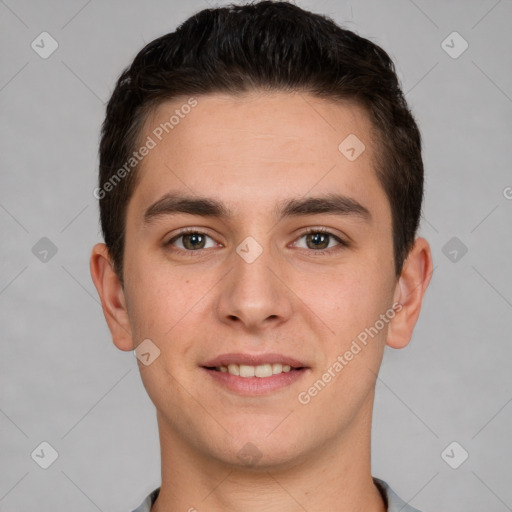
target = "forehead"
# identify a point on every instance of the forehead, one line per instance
(256, 121)
(258, 146)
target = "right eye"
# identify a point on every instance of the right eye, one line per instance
(192, 240)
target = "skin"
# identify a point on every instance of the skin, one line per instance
(250, 152)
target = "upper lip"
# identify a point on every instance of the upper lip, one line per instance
(253, 360)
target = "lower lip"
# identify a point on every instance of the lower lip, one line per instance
(256, 385)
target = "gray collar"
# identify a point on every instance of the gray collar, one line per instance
(393, 501)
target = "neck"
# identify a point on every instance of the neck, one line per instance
(337, 476)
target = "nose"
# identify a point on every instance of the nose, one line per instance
(254, 295)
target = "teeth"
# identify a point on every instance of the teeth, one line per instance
(277, 368)
(262, 370)
(246, 371)
(234, 369)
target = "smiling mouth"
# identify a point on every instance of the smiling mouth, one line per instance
(248, 371)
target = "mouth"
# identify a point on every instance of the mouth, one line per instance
(260, 371)
(255, 374)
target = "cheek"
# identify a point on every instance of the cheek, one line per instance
(154, 303)
(348, 300)
(166, 302)
(352, 306)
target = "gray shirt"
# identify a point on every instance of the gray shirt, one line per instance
(394, 503)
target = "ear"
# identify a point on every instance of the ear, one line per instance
(409, 292)
(112, 297)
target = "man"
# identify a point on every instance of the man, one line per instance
(260, 191)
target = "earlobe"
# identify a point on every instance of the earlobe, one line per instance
(112, 297)
(409, 292)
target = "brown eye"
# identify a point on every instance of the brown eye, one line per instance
(317, 240)
(191, 241)
(321, 240)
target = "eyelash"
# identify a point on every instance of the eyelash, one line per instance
(342, 243)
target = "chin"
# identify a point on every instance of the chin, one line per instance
(260, 449)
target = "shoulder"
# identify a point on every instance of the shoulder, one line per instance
(394, 502)
(146, 505)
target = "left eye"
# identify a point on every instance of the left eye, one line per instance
(320, 240)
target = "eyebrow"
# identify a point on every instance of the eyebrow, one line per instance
(333, 204)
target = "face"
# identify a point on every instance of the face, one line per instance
(269, 273)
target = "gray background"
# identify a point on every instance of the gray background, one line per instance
(63, 381)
